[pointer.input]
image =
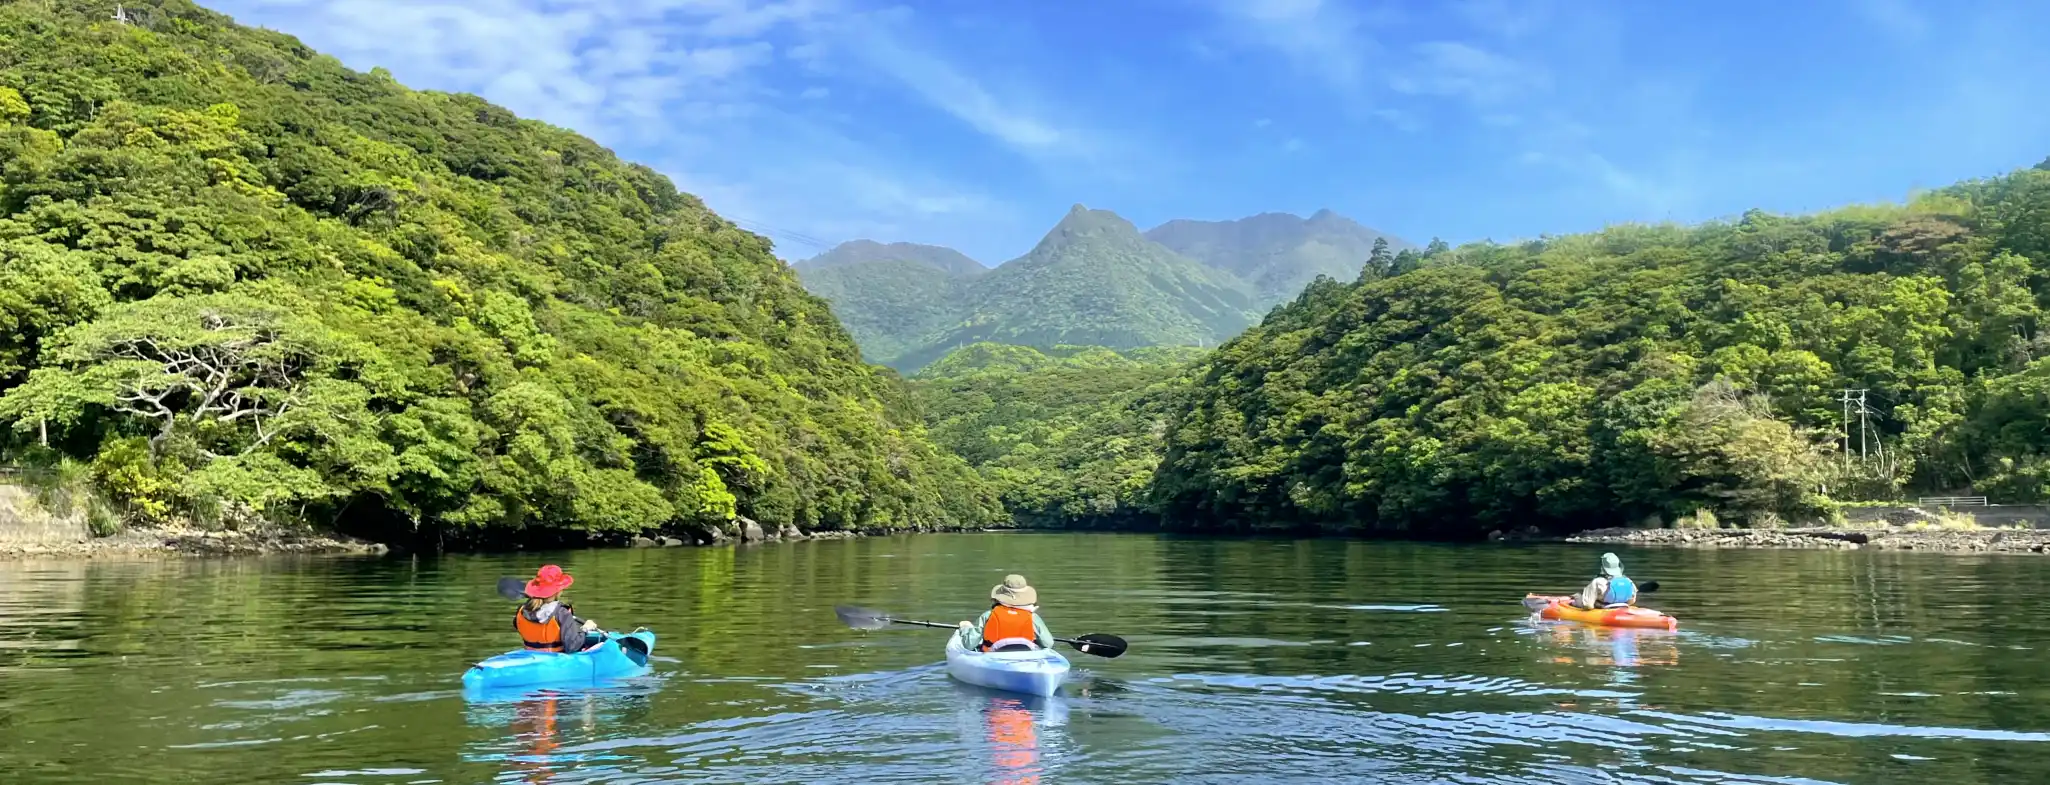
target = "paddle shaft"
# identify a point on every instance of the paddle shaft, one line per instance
(1069, 641)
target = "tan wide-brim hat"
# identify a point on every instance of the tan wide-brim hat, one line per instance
(1014, 592)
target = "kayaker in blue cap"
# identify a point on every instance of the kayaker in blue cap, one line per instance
(545, 622)
(1610, 589)
(1012, 622)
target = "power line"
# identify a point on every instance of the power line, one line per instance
(795, 237)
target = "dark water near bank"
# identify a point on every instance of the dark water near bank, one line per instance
(1252, 661)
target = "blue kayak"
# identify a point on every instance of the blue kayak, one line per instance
(621, 655)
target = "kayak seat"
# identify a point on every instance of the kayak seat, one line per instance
(1013, 644)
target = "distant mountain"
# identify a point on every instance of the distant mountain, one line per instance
(890, 306)
(1277, 253)
(858, 252)
(1095, 280)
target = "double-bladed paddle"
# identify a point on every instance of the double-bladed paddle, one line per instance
(1096, 643)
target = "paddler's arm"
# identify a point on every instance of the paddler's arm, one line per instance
(572, 629)
(1039, 630)
(971, 635)
(1590, 596)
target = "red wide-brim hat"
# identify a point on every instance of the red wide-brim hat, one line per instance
(548, 582)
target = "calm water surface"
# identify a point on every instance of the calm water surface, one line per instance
(1252, 661)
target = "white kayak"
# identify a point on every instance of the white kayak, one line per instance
(1035, 672)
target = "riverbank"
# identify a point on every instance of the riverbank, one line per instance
(1885, 539)
(181, 541)
(177, 540)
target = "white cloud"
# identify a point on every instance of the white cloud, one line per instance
(1325, 40)
(1481, 78)
(878, 42)
(691, 88)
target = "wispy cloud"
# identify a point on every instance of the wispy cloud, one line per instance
(1484, 80)
(1896, 17)
(1325, 40)
(879, 43)
(697, 89)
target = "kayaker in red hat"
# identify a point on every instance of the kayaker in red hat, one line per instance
(1012, 622)
(547, 623)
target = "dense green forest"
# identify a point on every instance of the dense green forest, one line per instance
(239, 281)
(1069, 436)
(1640, 374)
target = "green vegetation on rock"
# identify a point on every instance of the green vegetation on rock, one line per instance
(241, 281)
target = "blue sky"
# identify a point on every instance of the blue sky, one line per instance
(977, 124)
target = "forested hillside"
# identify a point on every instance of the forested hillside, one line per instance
(1094, 280)
(1641, 373)
(238, 280)
(1069, 436)
(891, 306)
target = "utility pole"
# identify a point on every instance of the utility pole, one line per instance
(1864, 432)
(1857, 397)
(121, 14)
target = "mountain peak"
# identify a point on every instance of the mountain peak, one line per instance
(1082, 222)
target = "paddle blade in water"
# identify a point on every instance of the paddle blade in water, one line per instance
(862, 618)
(512, 588)
(1647, 587)
(1099, 644)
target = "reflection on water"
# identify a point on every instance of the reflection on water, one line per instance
(1251, 661)
(1015, 730)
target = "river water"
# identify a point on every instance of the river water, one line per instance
(1251, 661)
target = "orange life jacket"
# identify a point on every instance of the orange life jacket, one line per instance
(1008, 622)
(538, 635)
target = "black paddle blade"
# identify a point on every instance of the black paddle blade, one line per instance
(1100, 644)
(635, 648)
(1647, 587)
(862, 618)
(512, 589)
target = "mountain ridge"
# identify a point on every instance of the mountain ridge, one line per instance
(863, 251)
(1093, 278)
(1278, 253)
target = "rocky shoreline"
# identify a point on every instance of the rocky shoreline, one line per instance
(180, 541)
(1884, 539)
(176, 541)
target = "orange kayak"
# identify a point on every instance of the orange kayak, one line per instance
(1561, 609)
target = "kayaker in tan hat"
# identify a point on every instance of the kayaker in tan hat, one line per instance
(1012, 622)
